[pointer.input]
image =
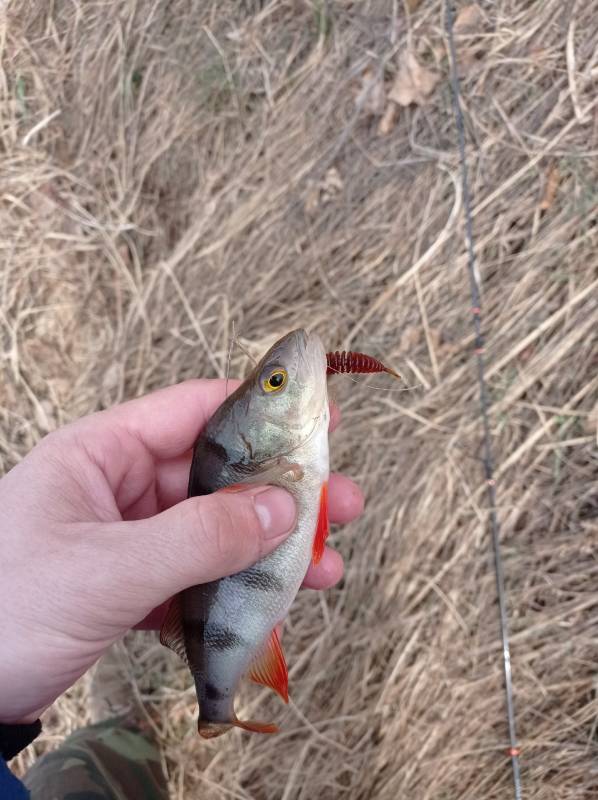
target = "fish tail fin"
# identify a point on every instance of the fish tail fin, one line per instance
(256, 727)
(209, 730)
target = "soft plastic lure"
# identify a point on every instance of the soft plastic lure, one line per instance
(348, 361)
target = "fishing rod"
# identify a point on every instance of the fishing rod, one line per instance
(476, 311)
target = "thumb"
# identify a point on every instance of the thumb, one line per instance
(202, 539)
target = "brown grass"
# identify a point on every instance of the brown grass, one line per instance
(171, 168)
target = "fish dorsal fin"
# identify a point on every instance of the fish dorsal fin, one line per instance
(322, 528)
(270, 668)
(171, 632)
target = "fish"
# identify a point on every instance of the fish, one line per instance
(273, 429)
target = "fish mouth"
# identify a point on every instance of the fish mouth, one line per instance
(312, 367)
(312, 356)
(310, 345)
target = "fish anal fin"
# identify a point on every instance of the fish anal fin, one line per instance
(322, 528)
(270, 668)
(171, 632)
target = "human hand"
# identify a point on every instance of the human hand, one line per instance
(97, 536)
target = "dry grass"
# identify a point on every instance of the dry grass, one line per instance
(170, 168)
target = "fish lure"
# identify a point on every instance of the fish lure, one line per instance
(348, 361)
(272, 430)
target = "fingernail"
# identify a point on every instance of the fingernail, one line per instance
(276, 512)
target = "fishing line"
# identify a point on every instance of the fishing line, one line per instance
(229, 356)
(371, 385)
(246, 353)
(488, 457)
(235, 341)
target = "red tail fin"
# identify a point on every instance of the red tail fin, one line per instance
(256, 727)
(209, 730)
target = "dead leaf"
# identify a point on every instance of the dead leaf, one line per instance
(389, 119)
(312, 198)
(438, 50)
(447, 350)
(410, 338)
(331, 185)
(413, 5)
(435, 337)
(538, 54)
(552, 184)
(470, 19)
(527, 353)
(590, 423)
(124, 254)
(112, 382)
(370, 96)
(319, 194)
(467, 60)
(413, 83)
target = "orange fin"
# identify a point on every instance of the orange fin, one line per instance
(322, 529)
(256, 727)
(210, 730)
(270, 668)
(171, 632)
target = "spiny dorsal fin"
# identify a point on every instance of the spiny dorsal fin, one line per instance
(270, 669)
(171, 632)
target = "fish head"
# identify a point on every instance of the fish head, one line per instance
(280, 411)
(288, 394)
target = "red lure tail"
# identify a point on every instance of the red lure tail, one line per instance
(347, 361)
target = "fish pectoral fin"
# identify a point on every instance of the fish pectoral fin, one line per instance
(272, 471)
(171, 632)
(322, 528)
(277, 469)
(270, 668)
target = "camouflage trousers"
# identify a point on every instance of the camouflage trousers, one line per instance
(107, 761)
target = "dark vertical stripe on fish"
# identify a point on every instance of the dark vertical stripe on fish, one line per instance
(213, 692)
(208, 468)
(217, 637)
(257, 578)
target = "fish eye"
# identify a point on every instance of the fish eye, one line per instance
(275, 381)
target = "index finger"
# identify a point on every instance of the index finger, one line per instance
(169, 420)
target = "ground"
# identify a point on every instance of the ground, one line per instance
(176, 173)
